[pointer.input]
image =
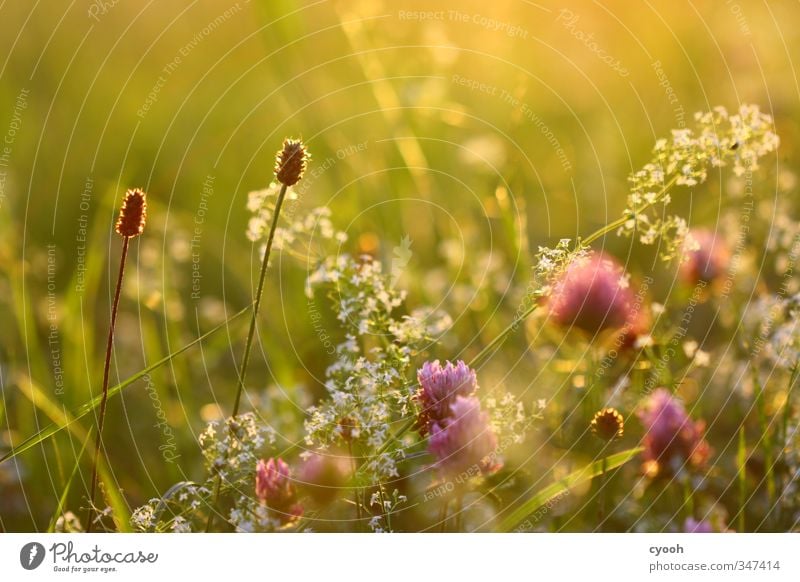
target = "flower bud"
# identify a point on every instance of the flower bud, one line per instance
(133, 214)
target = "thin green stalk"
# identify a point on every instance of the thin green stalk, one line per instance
(765, 439)
(500, 338)
(741, 462)
(355, 486)
(257, 306)
(602, 484)
(459, 512)
(250, 335)
(612, 226)
(106, 369)
(62, 500)
(443, 515)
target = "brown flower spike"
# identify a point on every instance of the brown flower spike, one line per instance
(133, 214)
(608, 424)
(290, 162)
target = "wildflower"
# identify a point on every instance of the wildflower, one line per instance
(131, 221)
(592, 294)
(717, 139)
(323, 476)
(439, 388)
(275, 490)
(705, 257)
(132, 214)
(608, 424)
(464, 441)
(290, 162)
(671, 437)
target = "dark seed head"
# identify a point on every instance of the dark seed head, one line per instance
(608, 424)
(133, 214)
(290, 162)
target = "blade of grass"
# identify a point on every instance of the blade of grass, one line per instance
(575, 478)
(88, 407)
(59, 416)
(67, 487)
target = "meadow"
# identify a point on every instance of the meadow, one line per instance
(520, 267)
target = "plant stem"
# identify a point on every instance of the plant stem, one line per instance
(623, 219)
(106, 369)
(443, 515)
(602, 483)
(741, 461)
(250, 334)
(256, 307)
(458, 512)
(355, 487)
(502, 335)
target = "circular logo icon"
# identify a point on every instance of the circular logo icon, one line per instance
(31, 555)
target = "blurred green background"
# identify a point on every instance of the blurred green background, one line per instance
(478, 130)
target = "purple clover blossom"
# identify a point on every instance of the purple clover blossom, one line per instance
(439, 388)
(592, 294)
(671, 437)
(275, 490)
(464, 441)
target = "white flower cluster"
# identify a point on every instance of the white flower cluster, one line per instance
(174, 511)
(718, 139)
(387, 506)
(293, 235)
(233, 449)
(551, 263)
(774, 324)
(68, 522)
(367, 384)
(261, 203)
(248, 515)
(790, 490)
